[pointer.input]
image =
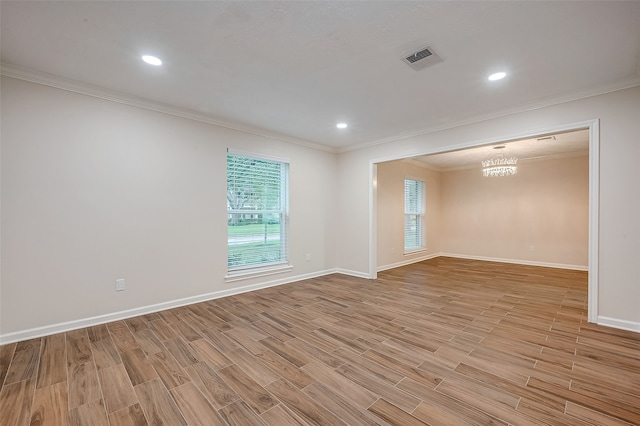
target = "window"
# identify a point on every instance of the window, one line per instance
(414, 206)
(257, 206)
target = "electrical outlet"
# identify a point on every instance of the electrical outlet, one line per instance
(120, 285)
(532, 248)
(308, 257)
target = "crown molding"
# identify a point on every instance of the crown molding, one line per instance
(626, 83)
(62, 83)
(13, 71)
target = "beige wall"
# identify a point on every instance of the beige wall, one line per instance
(619, 203)
(540, 215)
(390, 212)
(94, 190)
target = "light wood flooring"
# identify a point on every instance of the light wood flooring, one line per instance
(441, 342)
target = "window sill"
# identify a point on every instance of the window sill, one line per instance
(257, 272)
(415, 251)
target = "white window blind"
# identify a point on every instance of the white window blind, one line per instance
(257, 206)
(414, 206)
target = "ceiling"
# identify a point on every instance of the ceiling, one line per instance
(292, 70)
(555, 145)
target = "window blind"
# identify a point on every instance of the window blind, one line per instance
(257, 204)
(414, 205)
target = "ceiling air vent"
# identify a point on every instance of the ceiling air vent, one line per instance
(422, 58)
(424, 53)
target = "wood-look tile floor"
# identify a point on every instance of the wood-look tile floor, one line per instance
(441, 342)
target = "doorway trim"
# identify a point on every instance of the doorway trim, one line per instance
(593, 127)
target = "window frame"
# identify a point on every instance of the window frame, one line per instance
(251, 270)
(419, 214)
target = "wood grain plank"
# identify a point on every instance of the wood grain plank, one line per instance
(169, 370)
(195, 408)
(240, 414)
(206, 352)
(181, 351)
(543, 414)
(455, 408)
(78, 351)
(285, 369)
(29, 345)
(339, 405)
(6, 355)
(254, 367)
(402, 369)
(105, 353)
(122, 336)
(219, 340)
(592, 417)
(138, 366)
(273, 331)
(280, 416)
(24, 365)
(632, 416)
(162, 330)
(360, 395)
(389, 412)
(255, 395)
(508, 386)
(315, 352)
(212, 386)
(148, 341)
(434, 415)
(244, 340)
(395, 395)
(16, 401)
(136, 324)
(50, 406)
(158, 406)
(116, 388)
(129, 416)
(84, 386)
(186, 331)
(374, 369)
(53, 343)
(52, 368)
(79, 333)
(97, 333)
(90, 414)
(301, 404)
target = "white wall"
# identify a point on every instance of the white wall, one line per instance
(94, 190)
(619, 208)
(390, 212)
(540, 215)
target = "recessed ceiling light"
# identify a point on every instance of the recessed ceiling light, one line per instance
(497, 76)
(152, 60)
(341, 125)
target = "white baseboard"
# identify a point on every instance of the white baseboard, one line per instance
(408, 261)
(143, 310)
(518, 261)
(351, 273)
(621, 324)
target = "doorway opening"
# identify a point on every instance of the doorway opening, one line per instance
(589, 128)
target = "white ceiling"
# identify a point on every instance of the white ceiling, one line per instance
(294, 69)
(548, 146)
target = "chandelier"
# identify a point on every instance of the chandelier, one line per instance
(499, 165)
